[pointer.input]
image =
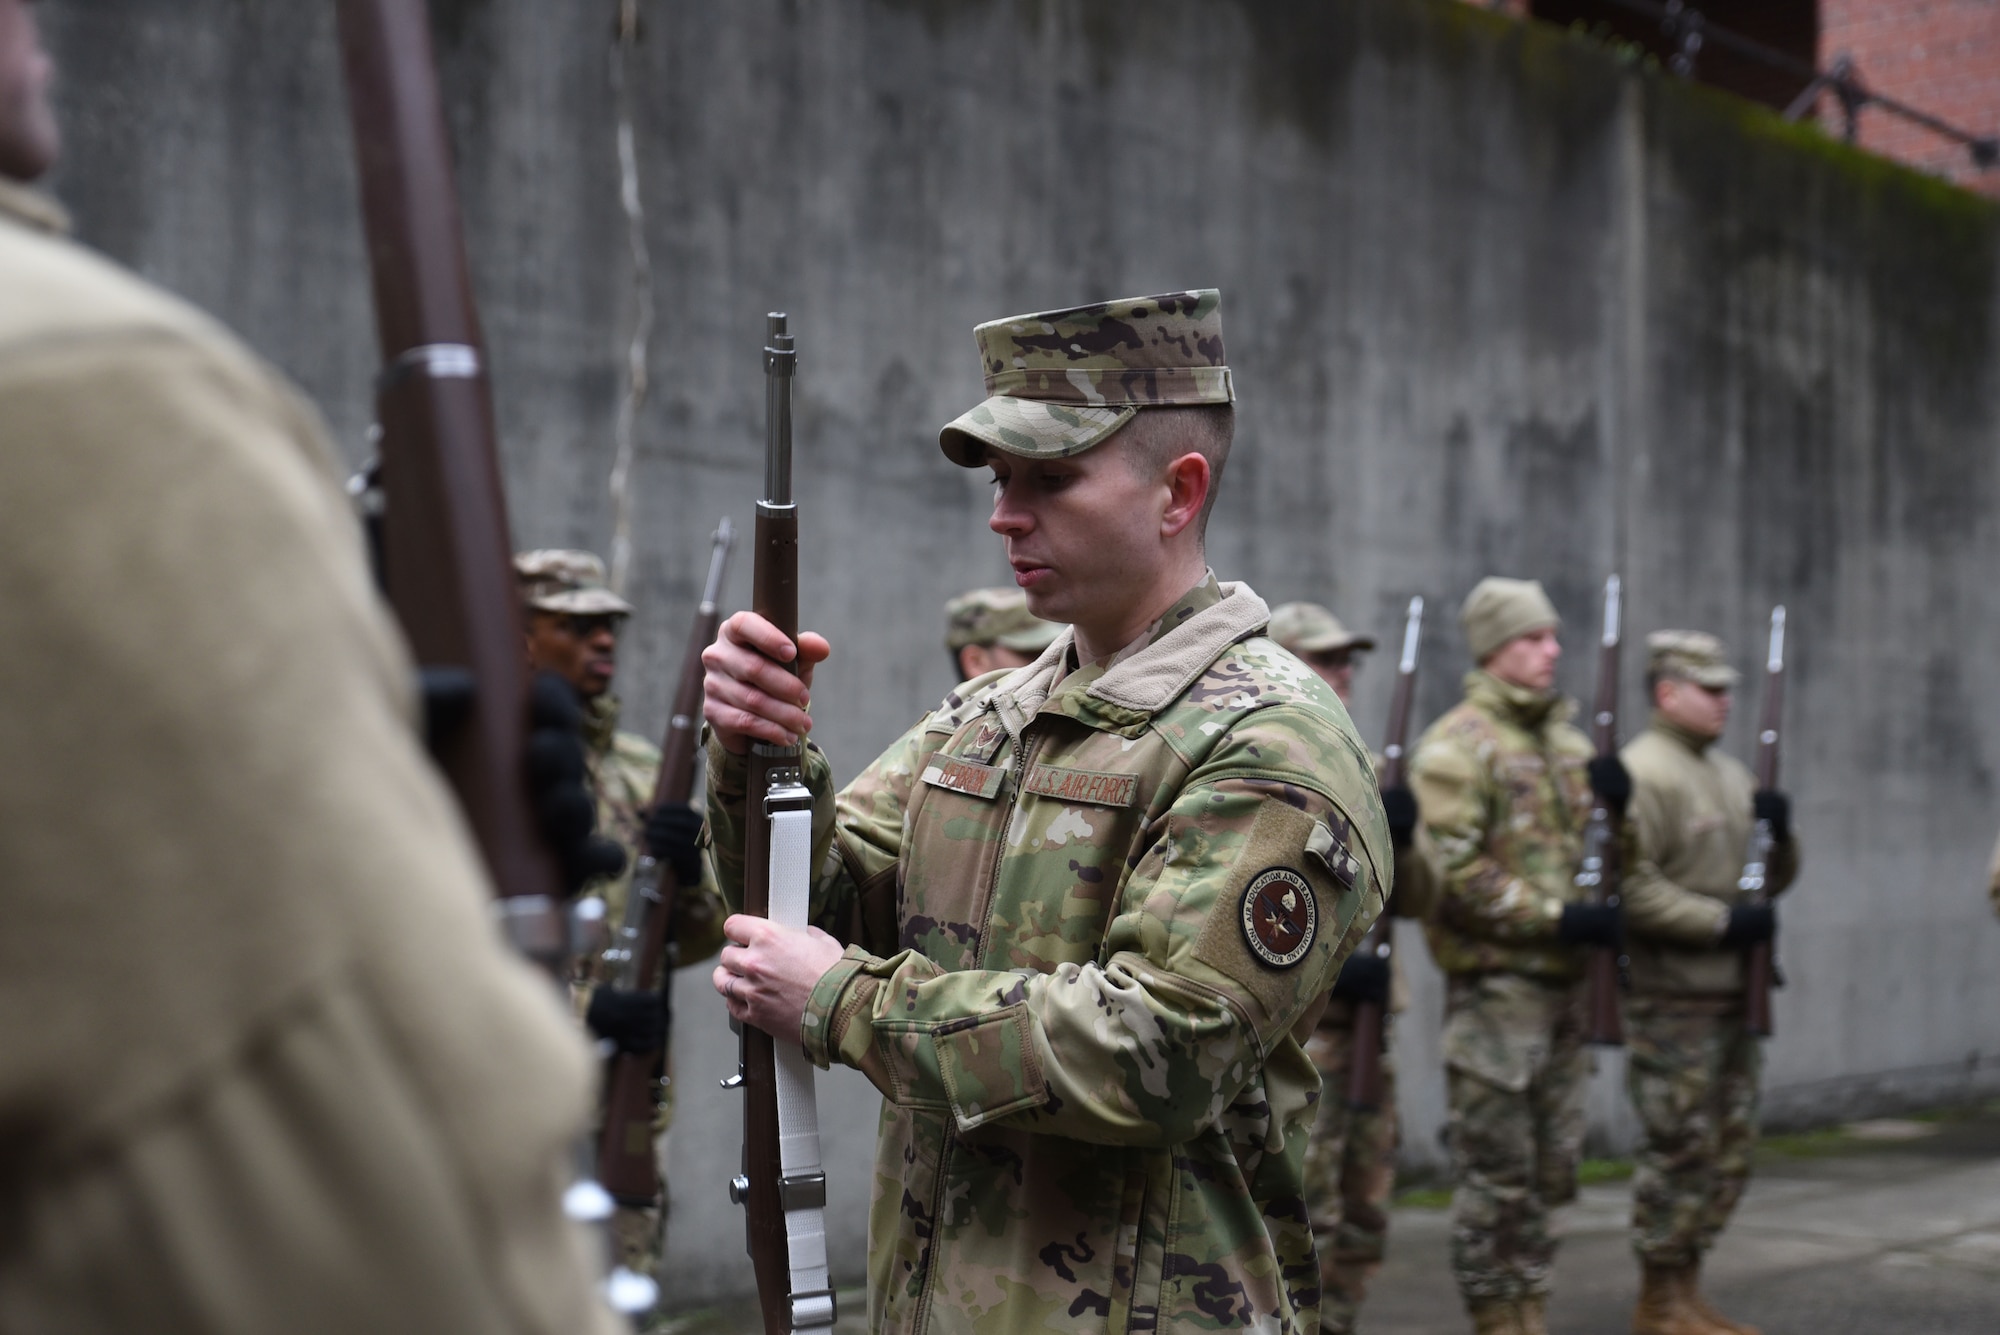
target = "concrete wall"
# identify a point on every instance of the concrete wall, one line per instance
(1494, 303)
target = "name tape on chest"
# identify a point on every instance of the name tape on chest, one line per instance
(964, 776)
(1280, 917)
(1082, 785)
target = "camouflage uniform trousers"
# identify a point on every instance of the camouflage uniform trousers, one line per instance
(1692, 1074)
(1516, 1069)
(1350, 1170)
(639, 1232)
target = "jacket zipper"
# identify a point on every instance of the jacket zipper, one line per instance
(921, 1318)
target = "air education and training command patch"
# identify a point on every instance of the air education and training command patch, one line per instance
(1280, 917)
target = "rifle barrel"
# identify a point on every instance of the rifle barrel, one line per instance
(447, 557)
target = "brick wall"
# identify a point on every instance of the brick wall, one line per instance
(1940, 56)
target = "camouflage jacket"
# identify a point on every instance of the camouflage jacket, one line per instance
(1501, 781)
(1095, 914)
(1691, 818)
(622, 768)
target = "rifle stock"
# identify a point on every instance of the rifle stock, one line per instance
(1364, 1070)
(644, 949)
(1601, 871)
(446, 552)
(1758, 960)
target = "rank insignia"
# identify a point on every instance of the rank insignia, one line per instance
(1280, 917)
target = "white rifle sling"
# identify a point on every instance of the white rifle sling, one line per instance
(802, 1178)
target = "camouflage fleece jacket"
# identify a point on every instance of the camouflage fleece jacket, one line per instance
(1094, 915)
(622, 768)
(1502, 784)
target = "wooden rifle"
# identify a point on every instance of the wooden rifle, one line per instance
(1601, 873)
(642, 950)
(446, 553)
(782, 1187)
(1758, 965)
(1371, 1030)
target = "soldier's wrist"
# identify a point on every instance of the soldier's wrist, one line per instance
(728, 773)
(818, 1024)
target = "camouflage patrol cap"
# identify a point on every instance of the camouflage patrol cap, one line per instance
(1059, 382)
(996, 616)
(1500, 609)
(554, 579)
(1689, 655)
(1308, 628)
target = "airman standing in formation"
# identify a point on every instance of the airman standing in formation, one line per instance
(1504, 783)
(1693, 1067)
(294, 1080)
(990, 629)
(573, 621)
(1350, 1167)
(1103, 895)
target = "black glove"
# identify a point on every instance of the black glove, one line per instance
(634, 1021)
(1365, 977)
(1399, 804)
(673, 835)
(1591, 925)
(1749, 924)
(562, 802)
(1611, 783)
(1773, 806)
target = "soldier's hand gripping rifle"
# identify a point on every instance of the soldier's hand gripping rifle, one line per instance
(643, 948)
(447, 559)
(1602, 870)
(782, 1187)
(1364, 1070)
(1755, 881)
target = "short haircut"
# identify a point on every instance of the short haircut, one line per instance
(1206, 429)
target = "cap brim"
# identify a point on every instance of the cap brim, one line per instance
(1322, 644)
(1028, 429)
(583, 603)
(1715, 678)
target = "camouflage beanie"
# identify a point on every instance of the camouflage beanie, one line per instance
(1499, 609)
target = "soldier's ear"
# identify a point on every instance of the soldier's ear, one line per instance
(1188, 480)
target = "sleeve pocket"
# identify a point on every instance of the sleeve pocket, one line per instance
(990, 1065)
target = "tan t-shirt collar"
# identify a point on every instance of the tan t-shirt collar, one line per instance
(32, 209)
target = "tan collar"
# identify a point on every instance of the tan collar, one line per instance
(32, 209)
(600, 723)
(1525, 708)
(1688, 738)
(1155, 676)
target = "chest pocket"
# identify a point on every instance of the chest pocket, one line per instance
(1069, 846)
(952, 841)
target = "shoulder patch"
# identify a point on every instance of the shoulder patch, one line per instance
(1280, 917)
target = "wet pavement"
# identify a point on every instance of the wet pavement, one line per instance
(1890, 1227)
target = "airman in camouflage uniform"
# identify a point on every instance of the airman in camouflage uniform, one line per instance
(1350, 1168)
(1502, 781)
(987, 629)
(573, 623)
(1693, 1069)
(1102, 896)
